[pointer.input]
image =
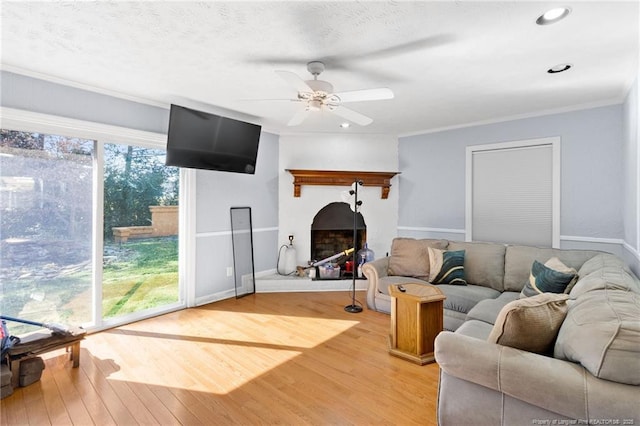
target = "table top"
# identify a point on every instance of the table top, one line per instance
(41, 340)
(419, 292)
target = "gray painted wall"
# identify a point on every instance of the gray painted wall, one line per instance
(216, 192)
(432, 189)
(31, 94)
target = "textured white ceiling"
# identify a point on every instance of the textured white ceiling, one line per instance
(449, 63)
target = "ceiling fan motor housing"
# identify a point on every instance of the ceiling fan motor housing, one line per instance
(315, 67)
(318, 95)
(320, 86)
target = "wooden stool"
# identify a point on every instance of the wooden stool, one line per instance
(34, 344)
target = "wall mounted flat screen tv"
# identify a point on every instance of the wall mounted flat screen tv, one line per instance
(201, 140)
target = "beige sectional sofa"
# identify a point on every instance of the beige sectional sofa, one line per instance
(591, 374)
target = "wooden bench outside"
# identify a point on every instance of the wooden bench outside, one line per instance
(40, 342)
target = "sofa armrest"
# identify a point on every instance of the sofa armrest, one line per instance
(559, 386)
(374, 271)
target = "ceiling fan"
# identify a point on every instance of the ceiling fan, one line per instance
(317, 95)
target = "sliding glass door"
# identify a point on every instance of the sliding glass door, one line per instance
(140, 234)
(46, 228)
(88, 230)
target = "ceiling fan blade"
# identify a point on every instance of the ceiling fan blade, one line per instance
(294, 80)
(298, 118)
(408, 47)
(352, 115)
(270, 100)
(365, 95)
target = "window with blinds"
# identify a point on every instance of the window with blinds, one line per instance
(513, 192)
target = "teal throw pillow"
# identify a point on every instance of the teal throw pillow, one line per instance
(552, 277)
(447, 267)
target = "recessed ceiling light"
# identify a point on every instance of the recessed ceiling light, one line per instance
(552, 16)
(345, 125)
(559, 68)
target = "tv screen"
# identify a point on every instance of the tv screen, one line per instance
(202, 140)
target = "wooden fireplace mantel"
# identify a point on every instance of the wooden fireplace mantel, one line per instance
(341, 178)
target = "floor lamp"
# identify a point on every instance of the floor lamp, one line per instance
(353, 308)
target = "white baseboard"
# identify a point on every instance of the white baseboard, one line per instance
(269, 282)
(216, 297)
(276, 284)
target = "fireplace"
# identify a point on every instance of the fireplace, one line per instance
(332, 231)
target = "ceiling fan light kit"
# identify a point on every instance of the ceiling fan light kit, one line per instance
(317, 95)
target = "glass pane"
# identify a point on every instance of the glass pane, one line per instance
(45, 228)
(140, 230)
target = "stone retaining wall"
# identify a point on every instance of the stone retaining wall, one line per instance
(164, 223)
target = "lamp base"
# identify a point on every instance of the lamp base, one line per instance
(354, 309)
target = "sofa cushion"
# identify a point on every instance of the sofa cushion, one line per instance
(447, 267)
(488, 310)
(530, 324)
(385, 282)
(552, 277)
(602, 332)
(453, 319)
(477, 329)
(483, 263)
(410, 258)
(463, 298)
(518, 261)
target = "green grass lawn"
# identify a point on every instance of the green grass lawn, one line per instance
(144, 275)
(146, 279)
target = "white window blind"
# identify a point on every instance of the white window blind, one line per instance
(512, 195)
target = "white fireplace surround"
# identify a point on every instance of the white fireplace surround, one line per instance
(336, 152)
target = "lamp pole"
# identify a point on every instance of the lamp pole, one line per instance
(353, 308)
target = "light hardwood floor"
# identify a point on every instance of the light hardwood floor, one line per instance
(279, 358)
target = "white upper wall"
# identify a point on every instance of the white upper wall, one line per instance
(337, 152)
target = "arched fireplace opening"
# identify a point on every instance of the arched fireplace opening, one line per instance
(332, 231)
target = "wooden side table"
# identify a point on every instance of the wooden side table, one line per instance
(416, 320)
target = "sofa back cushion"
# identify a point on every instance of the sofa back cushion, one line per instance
(483, 263)
(605, 271)
(600, 261)
(606, 278)
(602, 332)
(409, 257)
(519, 259)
